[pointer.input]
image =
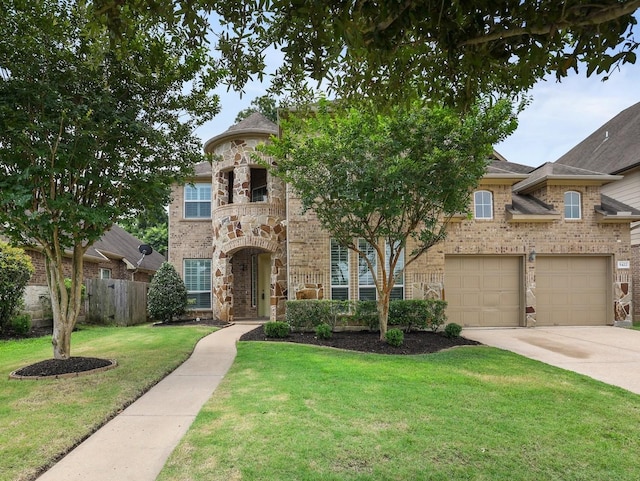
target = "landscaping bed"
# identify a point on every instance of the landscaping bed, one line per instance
(415, 342)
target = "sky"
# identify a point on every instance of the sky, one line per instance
(559, 115)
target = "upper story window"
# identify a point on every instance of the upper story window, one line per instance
(197, 201)
(339, 271)
(259, 185)
(483, 204)
(572, 205)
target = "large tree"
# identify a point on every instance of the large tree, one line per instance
(394, 49)
(394, 180)
(91, 127)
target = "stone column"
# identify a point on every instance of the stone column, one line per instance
(242, 185)
(278, 284)
(222, 302)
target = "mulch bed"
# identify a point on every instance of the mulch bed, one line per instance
(415, 342)
(62, 367)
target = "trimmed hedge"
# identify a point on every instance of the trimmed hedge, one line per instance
(417, 314)
(307, 314)
(411, 314)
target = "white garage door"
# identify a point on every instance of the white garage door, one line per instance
(572, 291)
(483, 291)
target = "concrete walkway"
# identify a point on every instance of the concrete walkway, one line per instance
(608, 354)
(135, 445)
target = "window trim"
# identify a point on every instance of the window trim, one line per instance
(199, 291)
(198, 201)
(569, 205)
(477, 204)
(363, 265)
(399, 267)
(103, 271)
(333, 286)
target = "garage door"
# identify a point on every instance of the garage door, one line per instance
(483, 291)
(572, 291)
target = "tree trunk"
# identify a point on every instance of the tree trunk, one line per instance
(383, 312)
(65, 305)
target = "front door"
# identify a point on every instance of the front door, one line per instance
(264, 285)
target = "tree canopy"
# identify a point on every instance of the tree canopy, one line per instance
(91, 130)
(394, 180)
(393, 50)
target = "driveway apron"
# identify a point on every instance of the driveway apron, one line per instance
(134, 445)
(608, 354)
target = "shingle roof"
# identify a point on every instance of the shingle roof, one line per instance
(256, 124)
(255, 121)
(610, 206)
(203, 169)
(528, 205)
(505, 167)
(613, 148)
(552, 171)
(125, 246)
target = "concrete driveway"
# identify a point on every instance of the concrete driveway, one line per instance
(609, 354)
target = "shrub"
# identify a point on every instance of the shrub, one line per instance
(367, 313)
(277, 329)
(309, 313)
(417, 314)
(452, 330)
(436, 316)
(323, 331)
(410, 314)
(21, 324)
(394, 337)
(167, 295)
(15, 270)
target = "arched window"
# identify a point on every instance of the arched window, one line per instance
(572, 205)
(483, 204)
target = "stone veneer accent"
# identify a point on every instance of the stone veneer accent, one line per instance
(238, 230)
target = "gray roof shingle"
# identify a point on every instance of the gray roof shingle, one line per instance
(613, 148)
(119, 242)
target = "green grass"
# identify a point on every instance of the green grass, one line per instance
(291, 412)
(39, 420)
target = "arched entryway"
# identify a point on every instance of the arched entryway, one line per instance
(250, 281)
(251, 270)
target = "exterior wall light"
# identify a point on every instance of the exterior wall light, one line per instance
(532, 256)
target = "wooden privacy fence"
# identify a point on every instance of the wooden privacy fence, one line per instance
(116, 301)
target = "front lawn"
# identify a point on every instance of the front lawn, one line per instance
(40, 420)
(293, 412)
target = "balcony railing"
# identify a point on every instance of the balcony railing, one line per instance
(250, 209)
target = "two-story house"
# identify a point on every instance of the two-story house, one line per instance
(543, 246)
(614, 148)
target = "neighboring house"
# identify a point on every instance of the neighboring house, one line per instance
(114, 256)
(615, 149)
(543, 246)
